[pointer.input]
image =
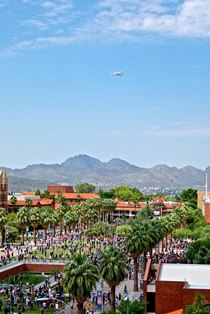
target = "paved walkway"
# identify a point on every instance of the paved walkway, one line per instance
(120, 289)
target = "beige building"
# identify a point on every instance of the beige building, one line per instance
(3, 188)
(201, 198)
(204, 204)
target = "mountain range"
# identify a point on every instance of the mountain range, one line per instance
(83, 168)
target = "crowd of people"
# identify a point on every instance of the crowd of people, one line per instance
(17, 298)
(62, 248)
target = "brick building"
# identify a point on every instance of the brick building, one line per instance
(172, 287)
(61, 188)
(3, 189)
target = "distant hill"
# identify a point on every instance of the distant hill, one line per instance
(83, 168)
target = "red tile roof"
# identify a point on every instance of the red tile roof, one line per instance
(79, 195)
(28, 193)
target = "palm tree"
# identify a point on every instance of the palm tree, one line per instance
(13, 200)
(34, 217)
(46, 218)
(61, 210)
(70, 218)
(154, 232)
(136, 243)
(112, 268)
(28, 203)
(96, 203)
(23, 220)
(81, 276)
(170, 223)
(108, 205)
(54, 222)
(3, 221)
(103, 229)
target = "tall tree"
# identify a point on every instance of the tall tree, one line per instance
(84, 188)
(198, 306)
(190, 197)
(34, 218)
(28, 203)
(23, 220)
(13, 200)
(61, 210)
(81, 276)
(136, 243)
(3, 221)
(46, 218)
(112, 268)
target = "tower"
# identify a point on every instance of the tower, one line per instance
(3, 188)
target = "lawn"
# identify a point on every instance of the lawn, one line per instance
(26, 277)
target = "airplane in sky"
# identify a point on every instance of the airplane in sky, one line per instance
(118, 73)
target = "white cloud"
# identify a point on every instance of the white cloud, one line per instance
(116, 20)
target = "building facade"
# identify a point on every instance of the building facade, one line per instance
(3, 189)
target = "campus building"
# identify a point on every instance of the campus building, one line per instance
(204, 204)
(172, 287)
(60, 188)
(3, 188)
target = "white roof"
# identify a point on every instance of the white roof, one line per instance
(194, 274)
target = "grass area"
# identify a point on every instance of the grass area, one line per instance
(57, 251)
(34, 310)
(24, 278)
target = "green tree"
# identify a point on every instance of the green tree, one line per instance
(145, 213)
(28, 203)
(126, 193)
(23, 220)
(46, 218)
(34, 218)
(61, 210)
(198, 307)
(13, 200)
(102, 229)
(200, 258)
(189, 197)
(136, 243)
(123, 230)
(96, 203)
(106, 194)
(3, 221)
(46, 194)
(112, 268)
(70, 217)
(195, 247)
(135, 307)
(84, 188)
(81, 276)
(38, 192)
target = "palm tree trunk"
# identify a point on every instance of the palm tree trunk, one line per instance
(99, 216)
(144, 262)
(112, 298)
(135, 281)
(35, 236)
(45, 233)
(150, 252)
(23, 232)
(61, 229)
(1, 238)
(54, 227)
(80, 308)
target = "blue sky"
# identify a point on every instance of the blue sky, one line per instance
(59, 99)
